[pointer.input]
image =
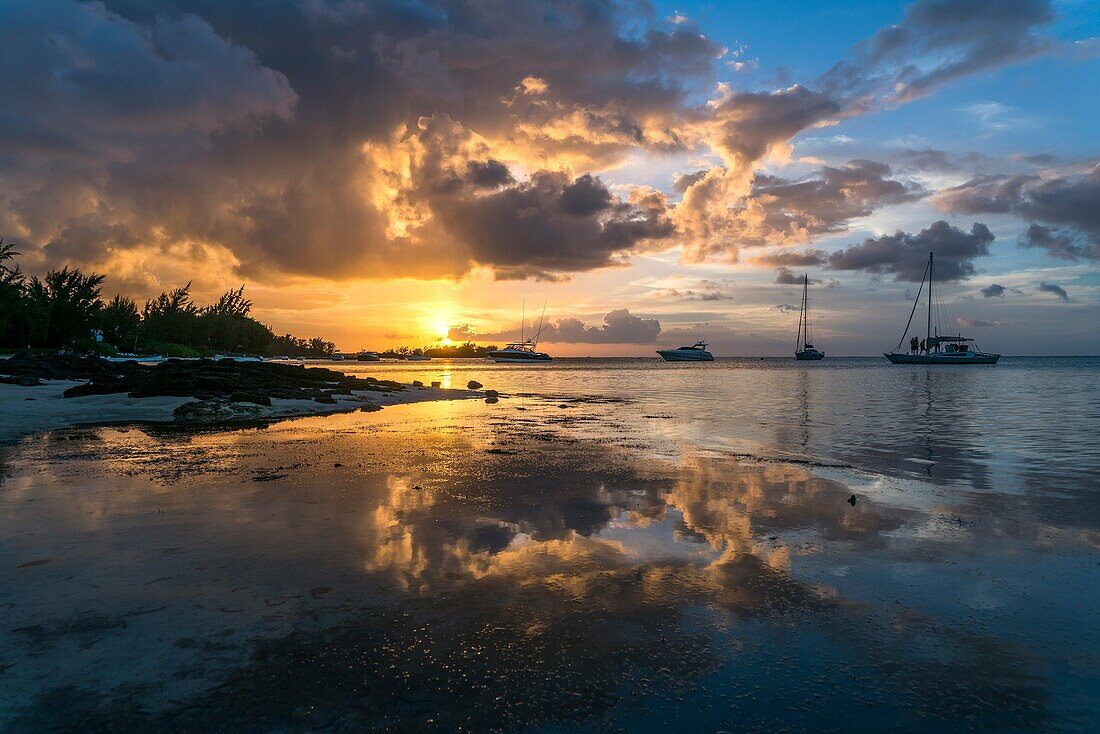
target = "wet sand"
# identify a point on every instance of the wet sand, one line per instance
(457, 566)
(29, 410)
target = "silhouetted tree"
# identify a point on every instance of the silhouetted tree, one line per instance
(64, 306)
(120, 322)
(170, 318)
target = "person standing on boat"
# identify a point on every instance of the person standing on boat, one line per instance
(922, 347)
(914, 345)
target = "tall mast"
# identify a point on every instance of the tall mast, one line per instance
(928, 327)
(522, 319)
(540, 323)
(806, 307)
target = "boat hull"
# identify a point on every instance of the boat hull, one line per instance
(900, 358)
(810, 355)
(520, 360)
(674, 355)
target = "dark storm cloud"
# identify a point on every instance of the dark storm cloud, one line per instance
(784, 276)
(547, 225)
(905, 255)
(930, 159)
(488, 174)
(1063, 244)
(1054, 289)
(618, 327)
(793, 259)
(1068, 202)
(939, 41)
(996, 290)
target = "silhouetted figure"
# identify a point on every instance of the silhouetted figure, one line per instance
(914, 345)
(852, 500)
(922, 347)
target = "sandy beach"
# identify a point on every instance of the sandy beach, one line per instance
(29, 410)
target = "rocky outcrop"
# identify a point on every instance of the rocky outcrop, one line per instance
(205, 380)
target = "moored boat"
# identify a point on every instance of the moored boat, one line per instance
(803, 350)
(525, 350)
(368, 357)
(933, 348)
(696, 353)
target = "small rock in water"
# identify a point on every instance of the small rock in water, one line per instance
(437, 384)
(492, 394)
(852, 500)
(474, 385)
(418, 383)
(370, 408)
(492, 399)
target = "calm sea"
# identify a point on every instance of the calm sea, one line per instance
(1024, 424)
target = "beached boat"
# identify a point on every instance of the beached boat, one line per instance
(127, 357)
(696, 353)
(239, 357)
(525, 350)
(803, 350)
(936, 349)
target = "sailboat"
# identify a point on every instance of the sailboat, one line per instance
(525, 350)
(803, 350)
(936, 349)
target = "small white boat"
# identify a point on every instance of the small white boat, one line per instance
(239, 357)
(418, 358)
(936, 349)
(803, 350)
(696, 353)
(525, 350)
(368, 357)
(519, 352)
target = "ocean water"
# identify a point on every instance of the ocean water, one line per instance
(616, 545)
(1026, 424)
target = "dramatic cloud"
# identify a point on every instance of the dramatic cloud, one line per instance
(976, 323)
(781, 212)
(1063, 244)
(344, 139)
(784, 276)
(995, 290)
(618, 327)
(793, 259)
(939, 41)
(905, 255)
(1056, 290)
(1067, 202)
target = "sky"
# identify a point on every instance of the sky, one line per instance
(386, 173)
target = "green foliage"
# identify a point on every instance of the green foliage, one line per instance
(120, 322)
(292, 346)
(64, 309)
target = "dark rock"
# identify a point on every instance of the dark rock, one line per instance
(852, 500)
(250, 397)
(327, 399)
(22, 381)
(474, 385)
(492, 394)
(417, 383)
(437, 384)
(491, 399)
(370, 408)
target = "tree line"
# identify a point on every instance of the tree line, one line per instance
(65, 309)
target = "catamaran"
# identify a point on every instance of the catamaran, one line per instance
(697, 353)
(525, 350)
(803, 350)
(936, 349)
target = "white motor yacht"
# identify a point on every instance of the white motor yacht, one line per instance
(696, 353)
